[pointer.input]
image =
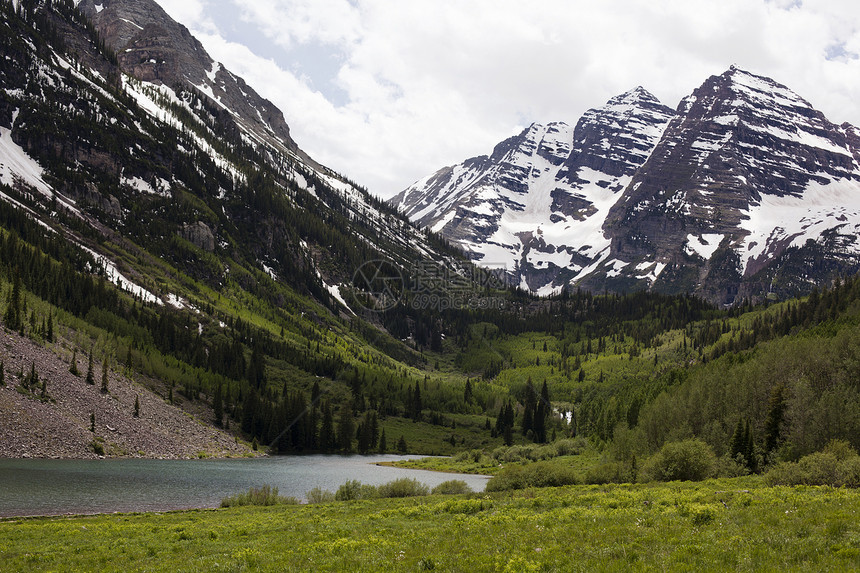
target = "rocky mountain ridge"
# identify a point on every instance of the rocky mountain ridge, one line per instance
(726, 197)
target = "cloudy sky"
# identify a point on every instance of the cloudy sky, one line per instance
(387, 91)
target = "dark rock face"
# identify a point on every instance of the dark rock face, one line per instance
(739, 141)
(200, 235)
(535, 205)
(154, 48)
(743, 179)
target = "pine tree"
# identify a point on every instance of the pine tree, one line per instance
(73, 368)
(90, 376)
(49, 335)
(2, 374)
(737, 443)
(773, 422)
(402, 448)
(326, 439)
(105, 376)
(218, 405)
(137, 407)
(12, 318)
(383, 444)
(345, 428)
(92, 421)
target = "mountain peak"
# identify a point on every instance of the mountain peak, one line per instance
(718, 194)
(634, 96)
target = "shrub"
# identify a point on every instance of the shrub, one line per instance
(545, 452)
(265, 495)
(469, 456)
(837, 465)
(609, 472)
(516, 454)
(820, 468)
(319, 495)
(849, 472)
(538, 474)
(403, 487)
(452, 487)
(571, 446)
(688, 460)
(730, 467)
(354, 489)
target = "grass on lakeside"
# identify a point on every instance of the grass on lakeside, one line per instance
(730, 524)
(579, 456)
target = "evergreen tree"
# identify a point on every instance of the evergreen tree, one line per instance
(92, 421)
(2, 374)
(73, 367)
(12, 318)
(137, 407)
(104, 388)
(417, 406)
(383, 444)
(218, 405)
(345, 428)
(737, 444)
(508, 435)
(529, 405)
(467, 392)
(49, 335)
(773, 422)
(402, 447)
(327, 437)
(90, 376)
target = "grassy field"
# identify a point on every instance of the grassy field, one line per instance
(733, 524)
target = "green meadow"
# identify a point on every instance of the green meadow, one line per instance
(737, 524)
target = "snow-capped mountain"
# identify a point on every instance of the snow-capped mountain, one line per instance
(537, 204)
(115, 122)
(745, 191)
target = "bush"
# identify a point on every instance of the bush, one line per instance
(354, 489)
(688, 460)
(571, 446)
(545, 452)
(98, 447)
(452, 487)
(265, 495)
(403, 487)
(730, 467)
(837, 465)
(610, 472)
(538, 474)
(319, 495)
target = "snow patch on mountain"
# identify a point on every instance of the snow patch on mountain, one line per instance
(780, 222)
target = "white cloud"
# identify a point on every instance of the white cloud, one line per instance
(421, 84)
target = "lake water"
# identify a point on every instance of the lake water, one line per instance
(56, 487)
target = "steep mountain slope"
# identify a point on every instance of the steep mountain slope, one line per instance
(748, 191)
(747, 170)
(153, 48)
(520, 207)
(240, 268)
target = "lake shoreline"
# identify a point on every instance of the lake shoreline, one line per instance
(66, 488)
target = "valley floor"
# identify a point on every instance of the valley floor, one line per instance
(732, 524)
